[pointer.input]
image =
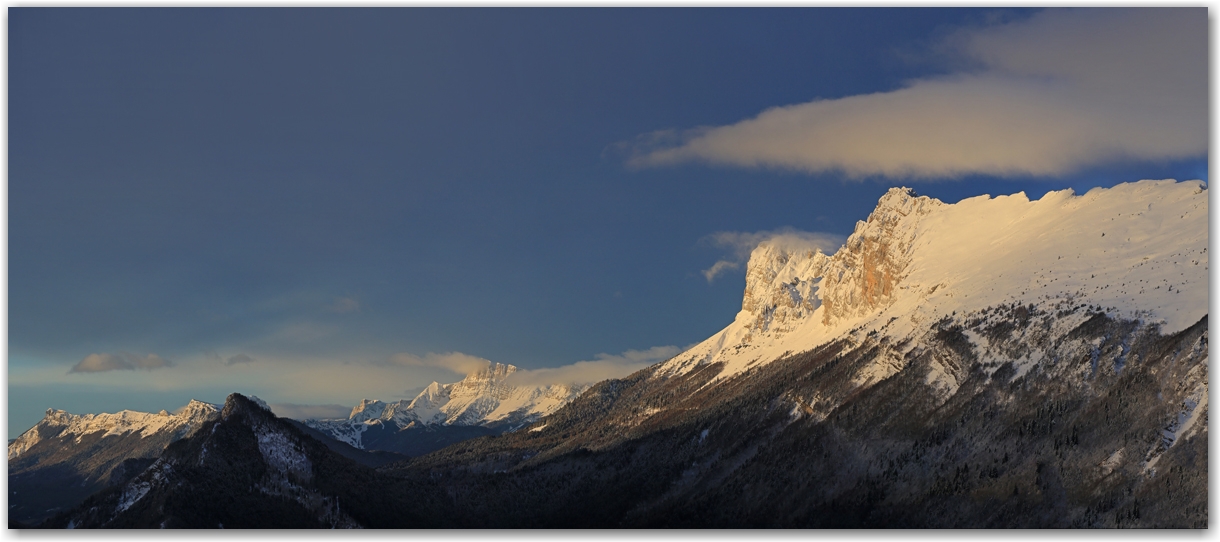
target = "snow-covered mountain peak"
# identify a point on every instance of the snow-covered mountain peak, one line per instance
(368, 409)
(904, 199)
(1138, 250)
(197, 410)
(493, 372)
(434, 391)
(431, 399)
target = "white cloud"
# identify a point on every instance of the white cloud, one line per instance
(457, 362)
(718, 268)
(1062, 90)
(97, 363)
(739, 245)
(100, 363)
(605, 366)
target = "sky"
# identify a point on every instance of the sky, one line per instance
(318, 206)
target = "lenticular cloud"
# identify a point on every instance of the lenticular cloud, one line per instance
(1060, 91)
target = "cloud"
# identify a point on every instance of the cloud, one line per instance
(99, 363)
(739, 245)
(457, 362)
(344, 305)
(306, 412)
(605, 366)
(1048, 95)
(718, 268)
(239, 358)
(151, 361)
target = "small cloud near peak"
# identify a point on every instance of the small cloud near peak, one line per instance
(739, 245)
(463, 364)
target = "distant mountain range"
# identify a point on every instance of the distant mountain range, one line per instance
(997, 362)
(66, 457)
(483, 403)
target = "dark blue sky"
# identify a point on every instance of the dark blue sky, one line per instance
(316, 187)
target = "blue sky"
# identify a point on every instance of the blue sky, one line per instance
(317, 206)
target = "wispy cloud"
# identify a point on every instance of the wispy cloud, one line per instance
(457, 362)
(739, 245)
(720, 267)
(603, 367)
(1059, 91)
(103, 362)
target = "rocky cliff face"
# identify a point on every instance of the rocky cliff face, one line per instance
(784, 286)
(863, 276)
(781, 288)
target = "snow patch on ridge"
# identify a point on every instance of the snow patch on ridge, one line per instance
(61, 423)
(282, 453)
(137, 489)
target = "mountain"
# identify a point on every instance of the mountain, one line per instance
(1136, 251)
(996, 362)
(248, 468)
(66, 457)
(486, 402)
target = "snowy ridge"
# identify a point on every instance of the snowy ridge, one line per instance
(482, 398)
(1136, 251)
(59, 423)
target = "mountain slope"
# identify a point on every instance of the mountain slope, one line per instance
(800, 443)
(369, 459)
(66, 457)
